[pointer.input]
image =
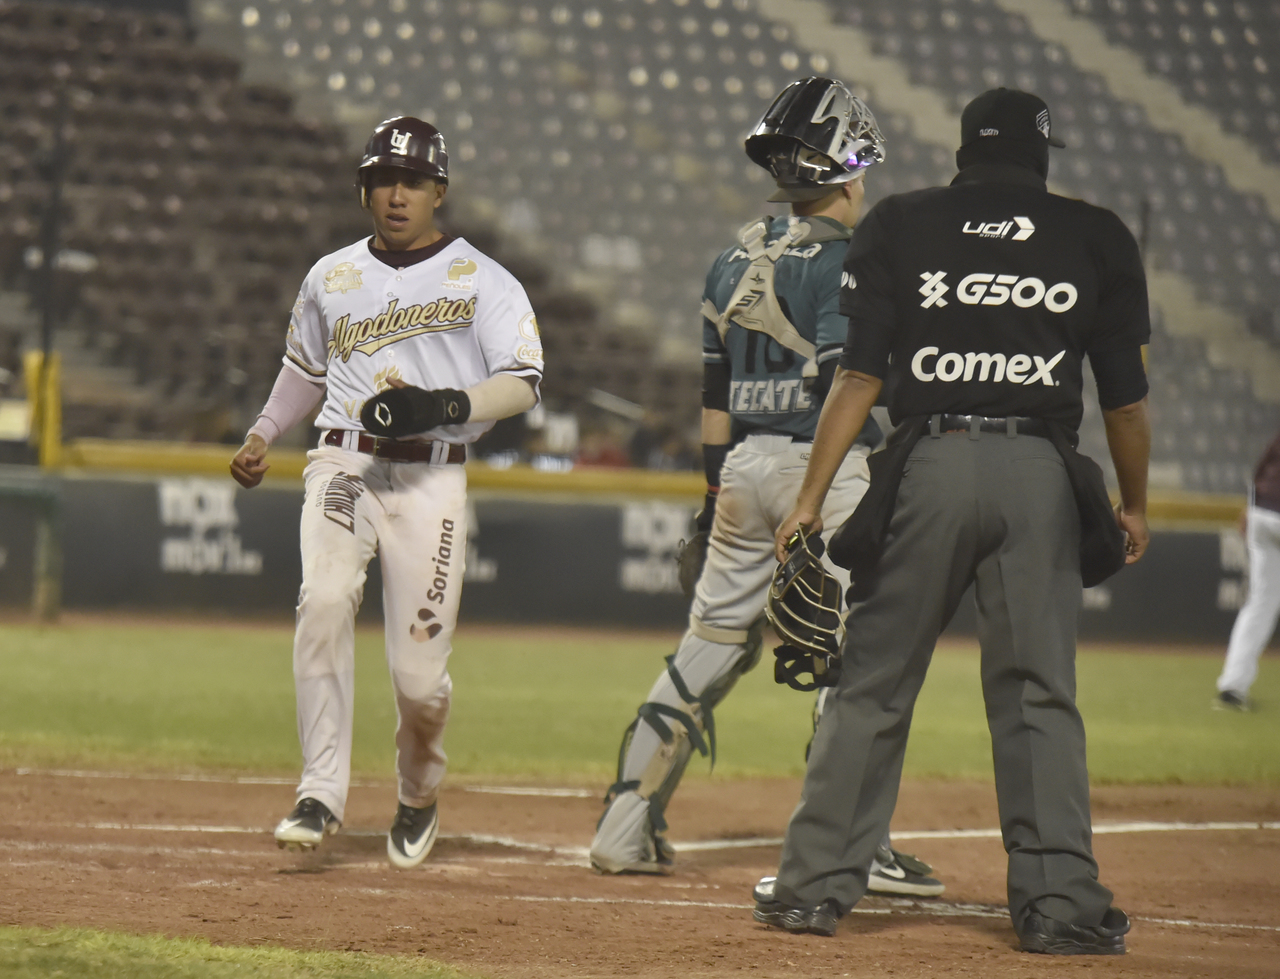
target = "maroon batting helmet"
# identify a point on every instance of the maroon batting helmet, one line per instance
(407, 142)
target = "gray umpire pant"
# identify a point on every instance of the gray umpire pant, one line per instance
(998, 511)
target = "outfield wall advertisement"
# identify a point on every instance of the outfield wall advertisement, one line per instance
(195, 543)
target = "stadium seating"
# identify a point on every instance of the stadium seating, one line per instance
(204, 200)
(1220, 55)
(606, 140)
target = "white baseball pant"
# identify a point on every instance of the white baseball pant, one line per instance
(414, 516)
(1256, 620)
(759, 484)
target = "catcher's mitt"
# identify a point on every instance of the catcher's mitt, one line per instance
(690, 557)
(803, 606)
(691, 554)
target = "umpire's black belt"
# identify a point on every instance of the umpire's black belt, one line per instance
(1011, 425)
(437, 452)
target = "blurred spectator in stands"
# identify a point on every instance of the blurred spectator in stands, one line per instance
(599, 446)
(645, 440)
(673, 450)
(506, 443)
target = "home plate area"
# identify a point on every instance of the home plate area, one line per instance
(508, 890)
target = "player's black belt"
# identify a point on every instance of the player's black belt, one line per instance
(1011, 425)
(437, 452)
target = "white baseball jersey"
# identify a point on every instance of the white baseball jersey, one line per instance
(449, 321)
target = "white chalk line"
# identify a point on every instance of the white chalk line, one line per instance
(693, 846)
(524, 790)
(1140, 826)
(894, 906)
(552, 793)
(581, 853)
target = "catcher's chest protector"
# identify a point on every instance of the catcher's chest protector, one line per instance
(754, 303)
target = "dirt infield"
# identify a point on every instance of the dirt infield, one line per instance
(507, 891)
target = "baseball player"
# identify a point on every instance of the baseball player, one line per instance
(974, 305)
(1256, 620)
(416, 342)
(772, 331)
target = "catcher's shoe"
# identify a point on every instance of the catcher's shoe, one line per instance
(308, 824)
(821, 919)
(626, 842)
(412, 835)
(901, 873)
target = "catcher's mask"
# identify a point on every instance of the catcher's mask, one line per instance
(803, 607)
(815, 136)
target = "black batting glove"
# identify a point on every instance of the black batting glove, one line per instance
(409, 410)
(707, 515)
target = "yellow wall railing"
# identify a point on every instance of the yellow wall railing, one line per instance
(175, 458)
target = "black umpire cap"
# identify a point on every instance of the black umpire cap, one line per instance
(1006, 113)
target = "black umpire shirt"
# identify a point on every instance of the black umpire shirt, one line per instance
(987, 294)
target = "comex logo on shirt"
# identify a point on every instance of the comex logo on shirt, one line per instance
(929, 365)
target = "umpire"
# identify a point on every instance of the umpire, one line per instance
(974, 305)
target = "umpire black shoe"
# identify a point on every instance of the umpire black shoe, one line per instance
(412, 835)
(308, 824)
(820, 919)
(1052, 937)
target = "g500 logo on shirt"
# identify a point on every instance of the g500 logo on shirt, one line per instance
(929, 365)
(989, 289)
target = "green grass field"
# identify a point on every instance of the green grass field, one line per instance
(220, 698)
(32, 953)
(204, 697)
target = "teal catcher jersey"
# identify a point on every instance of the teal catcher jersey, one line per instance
(770, 387)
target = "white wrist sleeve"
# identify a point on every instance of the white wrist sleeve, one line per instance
(292, 398)
(501, 396)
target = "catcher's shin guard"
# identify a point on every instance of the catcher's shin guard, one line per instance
(628, 837)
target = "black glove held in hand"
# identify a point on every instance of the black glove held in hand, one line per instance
(706, 516)
(409, 410)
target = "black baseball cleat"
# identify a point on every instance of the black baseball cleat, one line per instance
(1230, 700)
(308, 824)
(821, 919)
(412, 835)
(1052, 937)
(902, 874)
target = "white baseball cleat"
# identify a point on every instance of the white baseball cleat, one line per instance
(412, 835)
(902, 874)
(305, 827)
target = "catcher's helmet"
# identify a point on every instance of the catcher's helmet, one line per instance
(407, 142)
(815, 136)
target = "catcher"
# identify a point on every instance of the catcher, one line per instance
(772, 333)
